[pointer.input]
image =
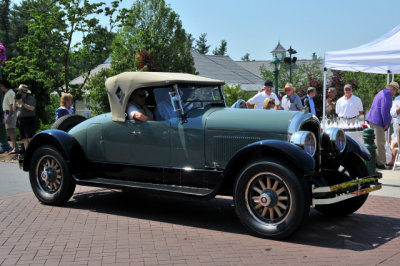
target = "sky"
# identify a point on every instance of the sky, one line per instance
(256, 26)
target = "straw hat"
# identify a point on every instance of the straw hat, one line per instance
(24, 88)
(394, 84)
(288, 86)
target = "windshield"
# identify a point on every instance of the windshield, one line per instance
(202, 95)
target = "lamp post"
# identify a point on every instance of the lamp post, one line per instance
(289, 60)
(277, 64)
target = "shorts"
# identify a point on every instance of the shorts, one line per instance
(13, 121)
(27, 127)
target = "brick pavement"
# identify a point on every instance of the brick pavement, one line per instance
(99, 226)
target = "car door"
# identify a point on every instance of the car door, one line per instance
(138, 143)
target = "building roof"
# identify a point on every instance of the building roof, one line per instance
(211, 66)
(254, 66)
(279, 48)
(224, 68)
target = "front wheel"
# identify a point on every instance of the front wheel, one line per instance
(50, 177)
(271, 200)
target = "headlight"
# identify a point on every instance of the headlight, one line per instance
(337, 138)
(306, 140)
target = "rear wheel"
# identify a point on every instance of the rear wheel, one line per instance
(49, 176)
(67, 122)
(271, 200)
(352, 168)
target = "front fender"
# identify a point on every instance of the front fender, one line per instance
(65, 143)
(353, 146)
(280, 149)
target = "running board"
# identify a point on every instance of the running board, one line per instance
(112, 183)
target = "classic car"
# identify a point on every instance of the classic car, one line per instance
(275, 164)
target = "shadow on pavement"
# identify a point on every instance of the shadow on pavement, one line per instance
(357, 232)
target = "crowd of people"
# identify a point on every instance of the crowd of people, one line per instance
(347, 109)
(17, 110)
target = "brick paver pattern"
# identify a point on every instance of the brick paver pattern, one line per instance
(106, 227)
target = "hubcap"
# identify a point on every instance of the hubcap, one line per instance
(268, 198)
(48, 172)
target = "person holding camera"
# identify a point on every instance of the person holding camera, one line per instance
(25, 113)
(10, 117)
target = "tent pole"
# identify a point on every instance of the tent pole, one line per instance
(324, 101)
(392, 77)
(388, 77)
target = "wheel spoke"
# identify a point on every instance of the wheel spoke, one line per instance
(275, 185)
(271, 213)
(258, 190)
(268, 182)
(258, 206)
(279, 191)
(262, 184)
(278, 211)
(264, 212)
(256, 198)
(283, 198)
(282, 206)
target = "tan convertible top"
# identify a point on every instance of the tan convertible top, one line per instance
(120, 86)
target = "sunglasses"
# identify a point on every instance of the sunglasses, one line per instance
(272, 103)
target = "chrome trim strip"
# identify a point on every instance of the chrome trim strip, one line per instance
(357, 182)
(346, 196)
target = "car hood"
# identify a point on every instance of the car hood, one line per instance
(251, 120)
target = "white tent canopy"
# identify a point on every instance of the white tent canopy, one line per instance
(381, 56)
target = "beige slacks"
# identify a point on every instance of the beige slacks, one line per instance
(380, 144)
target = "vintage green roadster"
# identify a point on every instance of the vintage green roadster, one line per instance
(275, 164)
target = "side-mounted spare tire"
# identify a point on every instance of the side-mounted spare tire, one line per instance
(67, 122)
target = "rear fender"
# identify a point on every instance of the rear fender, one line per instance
(69, 148)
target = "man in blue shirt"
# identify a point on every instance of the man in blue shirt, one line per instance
(309, 105)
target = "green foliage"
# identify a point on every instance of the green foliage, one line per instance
(201, 44)
(221, 50)
(190, 40)
(152, 26)
(234, 93)
(98, 98)
(246, 57)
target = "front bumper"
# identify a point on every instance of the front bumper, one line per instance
(340, 192)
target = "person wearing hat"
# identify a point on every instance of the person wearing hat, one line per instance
(380, 119)
(308, 102)
(395, 112)
(291, 101)
(25, 107)
(349, 106)
(259, 98)
(10, 118)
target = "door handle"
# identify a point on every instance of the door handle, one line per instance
(135, 133)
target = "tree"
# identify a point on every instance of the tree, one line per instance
(151, 38)
(234, 93)
(47, 46)
(246, 57)
(5, 22)
(152, 26)
(221, 50)
(201, 44)
(190, 40)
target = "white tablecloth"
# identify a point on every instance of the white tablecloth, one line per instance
(357, 135)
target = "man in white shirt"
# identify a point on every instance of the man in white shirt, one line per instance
(259, 98)
(349, 106)
(395, 113)
(136, 107)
